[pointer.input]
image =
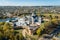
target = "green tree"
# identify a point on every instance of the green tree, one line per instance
(40, 29)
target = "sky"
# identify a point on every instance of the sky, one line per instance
(29, 2)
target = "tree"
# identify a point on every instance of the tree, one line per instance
(39, 30)
(54, 21)
(8, 31)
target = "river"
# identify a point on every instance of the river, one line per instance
(4, 20)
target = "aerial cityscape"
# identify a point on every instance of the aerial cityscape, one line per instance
(29, 20)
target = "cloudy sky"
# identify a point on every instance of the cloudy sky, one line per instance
(29, 2)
